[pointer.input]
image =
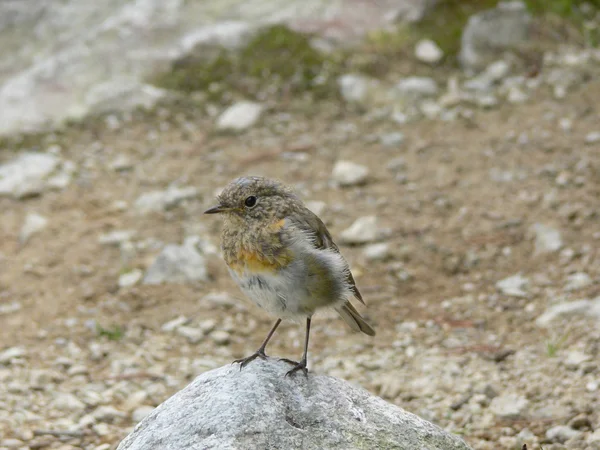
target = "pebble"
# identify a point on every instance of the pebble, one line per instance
(508, 405)
(578, 280)
(121, 163)
(193, 335)
(377, 252)
(220, 298)
(27, 174)
(561, 433)
(584, 307)
(157, 201)
(356, 88)
(220, 337)
(575, 358)
(207, 325)
(12, 443)
(129, 279)
(347, 173)
(107, 414)
(34, 223)
(174, 323)
(513, 286)
(116, 238)
(11, 353)
(240, 116)
(592, 138)
(416, 87)
(547, 239)
(67, 402)
(394, 139)
(362, 231)
(316, 206)
(135, 400)
(177, 264)
(428, 51)
(141, 412)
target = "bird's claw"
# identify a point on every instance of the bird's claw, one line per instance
(298, 366)
(245, 361)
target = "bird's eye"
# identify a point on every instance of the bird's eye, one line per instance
(250, 202)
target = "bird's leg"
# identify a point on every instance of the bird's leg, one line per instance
(260, 353)
(302, 364)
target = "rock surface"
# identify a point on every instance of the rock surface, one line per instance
(259, 407)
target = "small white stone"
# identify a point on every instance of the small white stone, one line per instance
(129, 279)
(141, 412)
(428, 51)
(575, 358)
(67, 402)
(11, 353)
(392, 139)
(135, 400)
(362, 231)
(508, 405)
(240, 116)
(121, 163)
(34, 223)
(347, 173)
(513, 286)
(562, 433)
(417, 87)
(193, 335)
(578, 280)
(377, 252)
(116, 237)
(516, 95)
(107, 414)
(174, 323)
(316, 206)
(547, 239)
(220, 337)
(593, 137)
(592, 386)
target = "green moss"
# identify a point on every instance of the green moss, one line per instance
(276, 60)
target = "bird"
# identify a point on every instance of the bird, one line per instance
(284, 259)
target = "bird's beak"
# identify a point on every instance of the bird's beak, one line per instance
(216, 210)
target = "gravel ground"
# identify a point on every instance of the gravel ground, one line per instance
(480, 268)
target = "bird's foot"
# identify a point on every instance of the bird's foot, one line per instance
(297, 366)
(260, 353)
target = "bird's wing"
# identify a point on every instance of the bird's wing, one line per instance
(309, 222)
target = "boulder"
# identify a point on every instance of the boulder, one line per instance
(259, 407)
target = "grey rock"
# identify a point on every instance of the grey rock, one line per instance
(193, 335)
(177, 264)
(493, 73)
(174, 323)
(575, 359)
(28, 174)
(220, 337)
(360, 89)
(593, 137)
(578, 280)
(240, 116)
(513, 286)
(562, 433)
(34, 223)
(131, 278)
(67, 402)
(258, 407)
(428, 51)
(83, 56)
(377, 252)
(490, 32)
(11, 353)
(347, 173)
(416, 87)
(590, 308)
(117, 237)
(156, 201)
(362, 231)
(392, 139)
(509, 405)
(141, 412)
(547, 239)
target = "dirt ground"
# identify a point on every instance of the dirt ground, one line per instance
(453, 232)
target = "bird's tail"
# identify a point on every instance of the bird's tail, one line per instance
(353, 318)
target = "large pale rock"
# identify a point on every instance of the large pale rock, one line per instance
(259, 408)
(493, 31)
(65, 59)
(177, 264)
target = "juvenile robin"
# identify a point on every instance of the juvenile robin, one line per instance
(283, 258)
